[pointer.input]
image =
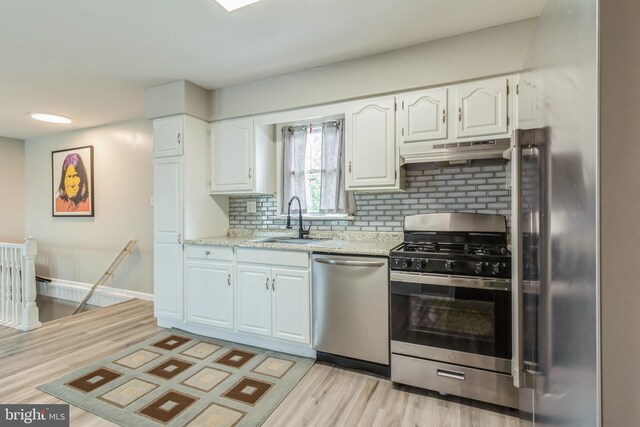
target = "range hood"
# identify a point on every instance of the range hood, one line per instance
(455, 152)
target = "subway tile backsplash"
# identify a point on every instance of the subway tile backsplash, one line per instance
(476, 188)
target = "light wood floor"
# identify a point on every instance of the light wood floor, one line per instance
(326, 396)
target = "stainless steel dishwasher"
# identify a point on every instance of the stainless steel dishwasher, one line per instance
(351, 308)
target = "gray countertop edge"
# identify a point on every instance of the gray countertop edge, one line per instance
(346, 247)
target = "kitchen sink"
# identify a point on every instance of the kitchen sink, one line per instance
(290, 240)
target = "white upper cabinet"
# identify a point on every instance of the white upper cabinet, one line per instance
(482, 108)
(232, 154)
(242, 158)
(424, 115)
(168, 135)
(370, 150)
(527, 104)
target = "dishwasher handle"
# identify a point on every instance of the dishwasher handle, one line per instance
(349, 263)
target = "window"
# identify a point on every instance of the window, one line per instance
(313, 169)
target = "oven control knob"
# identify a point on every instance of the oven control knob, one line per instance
(406, 263)
(421, 264)
(478, 267)
(496, 268)
(450, 265)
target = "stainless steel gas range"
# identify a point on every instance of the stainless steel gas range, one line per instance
(450, 297)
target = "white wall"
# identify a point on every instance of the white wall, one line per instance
(12, 179)
(80, 249)
(497, 50)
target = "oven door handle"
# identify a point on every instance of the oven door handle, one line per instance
(452, 281)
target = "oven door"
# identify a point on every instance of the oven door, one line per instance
(459, 320)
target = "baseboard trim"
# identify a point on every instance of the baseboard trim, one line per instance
(76, 291)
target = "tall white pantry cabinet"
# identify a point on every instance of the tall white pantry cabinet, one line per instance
(182, 206)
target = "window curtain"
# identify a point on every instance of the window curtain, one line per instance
(293, 183)
(334, 199)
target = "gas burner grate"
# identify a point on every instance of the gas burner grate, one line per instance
(421, 247)
(455, 248)
(484, 250)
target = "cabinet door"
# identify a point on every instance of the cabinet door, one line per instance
(168, 228)
(167, 280)
(253, 290)
(232, 156)
(370, 143)
(291, 318)
(424, 115)
(167, 136)
(527, 104)
(482, 108)
(210, 294)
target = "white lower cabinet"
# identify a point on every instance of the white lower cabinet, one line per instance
(210, 293)
(254, 299)
(290, 305)
(249, 296)
(168, 286)
(274, 302)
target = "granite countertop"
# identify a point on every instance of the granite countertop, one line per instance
(348, 243)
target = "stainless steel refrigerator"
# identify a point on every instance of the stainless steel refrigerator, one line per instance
(555, 221)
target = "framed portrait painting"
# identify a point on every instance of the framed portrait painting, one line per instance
(72, 178)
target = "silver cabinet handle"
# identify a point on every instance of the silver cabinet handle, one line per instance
(267, 284)
(451, 374)
(459, 114)
(517, 318)
(179, 239)
(273, 283)
(179, 138)
(349, 166)
(443, 116)
(249, 173)
(207, 252)
(349, 263)
(229, 280)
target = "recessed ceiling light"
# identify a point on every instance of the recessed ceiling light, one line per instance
(51, 118)
(231, 5)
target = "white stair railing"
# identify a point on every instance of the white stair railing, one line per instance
(18, 307)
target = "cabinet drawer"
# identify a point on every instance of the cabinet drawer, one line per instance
(453, 379)
(274, 257)
(210, 252)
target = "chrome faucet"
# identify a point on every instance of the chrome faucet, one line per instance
(302, 233)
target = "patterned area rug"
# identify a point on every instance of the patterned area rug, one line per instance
(180, 379)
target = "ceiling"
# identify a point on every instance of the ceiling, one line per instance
(91, 60)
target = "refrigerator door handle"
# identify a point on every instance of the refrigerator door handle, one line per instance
(517, 320)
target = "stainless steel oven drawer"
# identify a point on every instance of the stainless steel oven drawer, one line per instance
(457, 380)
